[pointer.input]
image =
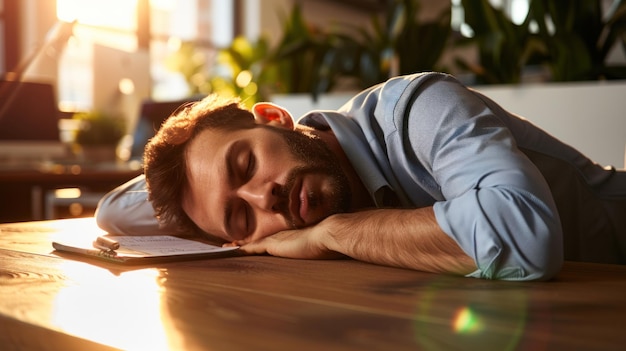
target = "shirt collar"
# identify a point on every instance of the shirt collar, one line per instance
(353, 143)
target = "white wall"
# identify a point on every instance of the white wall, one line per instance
(589, 116)
(300, 104)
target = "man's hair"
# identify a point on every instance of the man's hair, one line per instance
(164, 156)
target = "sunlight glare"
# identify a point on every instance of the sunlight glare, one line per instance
(92, 309)
(243, 78)
(126, 86)
(519, 11)
(67, 193)
(119, 14)
(164, 5)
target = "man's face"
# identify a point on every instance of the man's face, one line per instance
(250, 183)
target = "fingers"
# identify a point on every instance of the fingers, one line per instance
(254, 248)
(289, 244)
(233, 244)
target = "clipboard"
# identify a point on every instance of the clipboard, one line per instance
(143, 249)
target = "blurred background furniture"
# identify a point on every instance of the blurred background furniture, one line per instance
(72, 188)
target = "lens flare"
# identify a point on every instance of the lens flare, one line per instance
(466, 321)
(487, 316)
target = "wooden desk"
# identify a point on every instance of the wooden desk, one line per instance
(268, 303)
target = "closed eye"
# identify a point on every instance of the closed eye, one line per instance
(242, 167)
(251, 166)
(248, 220)
(240, 220)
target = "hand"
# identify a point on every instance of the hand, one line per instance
(304, 243)
(406, 238)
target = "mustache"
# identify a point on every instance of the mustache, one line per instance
(282, 205)
(284, 191)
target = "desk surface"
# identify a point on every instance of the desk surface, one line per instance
(268, 303)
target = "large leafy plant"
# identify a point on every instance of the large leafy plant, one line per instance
(243, 70)
(504, 48)
(309, 59)
(578, 37)
(571, 38)
(254, 71)
(396, 42)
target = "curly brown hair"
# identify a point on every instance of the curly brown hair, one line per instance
(164, 155)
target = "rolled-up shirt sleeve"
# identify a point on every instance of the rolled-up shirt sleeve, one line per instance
(126, 210)
(496, 204)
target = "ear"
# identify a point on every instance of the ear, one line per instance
(268, 113)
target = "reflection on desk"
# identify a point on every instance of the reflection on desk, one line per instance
(267, 303)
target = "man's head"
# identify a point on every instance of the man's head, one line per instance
(213, 166)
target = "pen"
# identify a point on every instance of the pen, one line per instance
(105, 243)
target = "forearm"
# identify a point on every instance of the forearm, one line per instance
(408, 238)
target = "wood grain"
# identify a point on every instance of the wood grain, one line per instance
(268, 303)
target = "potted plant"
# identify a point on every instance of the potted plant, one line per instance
(97, 135)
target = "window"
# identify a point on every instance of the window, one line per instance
(106, 55)
(9, 24)
(3, 40)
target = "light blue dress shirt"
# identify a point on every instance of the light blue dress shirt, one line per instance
(436, 143)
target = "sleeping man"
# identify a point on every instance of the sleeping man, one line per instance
(418, 172)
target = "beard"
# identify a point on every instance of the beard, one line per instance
(318, 159)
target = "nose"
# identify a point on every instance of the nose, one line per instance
(262, 196)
